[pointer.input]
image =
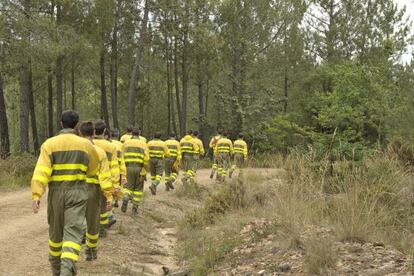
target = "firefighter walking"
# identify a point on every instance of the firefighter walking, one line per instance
(172, 161)
(223, 152)
(188, 149)
(100, 183)
(158, 150)
(64, 162)
(212, 146)
(240, 155)
(135, 154)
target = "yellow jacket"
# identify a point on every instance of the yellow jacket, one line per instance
(158, 149)
(125, 137)
(240, 147)
(110, 150)
(121, 163)
(135, 152)
(103, 176)
(200, 145)
(174, 148)
(63, 159)
(214, 141)
(224, 145)
(188, 145)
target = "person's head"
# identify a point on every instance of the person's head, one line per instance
(225, 133)
(157, 135)
(220, 131)
(100, 127)
(241, 135)
(87, 129)
(107, 134)
(129, 129)
(69, 119)
(190, 132)
(135, 131)
(115, 133)
(173, 135)
(196, 133)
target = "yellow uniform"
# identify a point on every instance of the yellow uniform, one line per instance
(240, 155)
(223, 151)
(189, 148)
(122, 168)
(198, 154)
(158, 150)
(125, 137)
(171, 163)
(64, 163)
(135, 155)
(212, 145)
(110, 150)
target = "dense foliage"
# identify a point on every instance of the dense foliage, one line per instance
(286, 73)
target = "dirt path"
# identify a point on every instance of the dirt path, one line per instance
(134, 246)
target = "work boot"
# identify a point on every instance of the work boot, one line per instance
(170, 185)
(230, 174)
(135, 211)
(124, 206)
(167, 188)
(116, 205)
(102, 233)
(153, 189)
(112, 220)
(212, 175)
(89, 254)
(94, 253)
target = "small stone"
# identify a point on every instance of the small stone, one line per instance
(378, 244)
(261, 272)
(283, 267)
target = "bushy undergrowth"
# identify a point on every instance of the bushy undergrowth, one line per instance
(16, 170)
(365, 201)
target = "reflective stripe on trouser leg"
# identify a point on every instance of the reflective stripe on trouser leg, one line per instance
(158, 179)
(174, 176)
(55, 249)
(214, 167)
(137, 197)
(104, 218)
(127, 194)
(92, 240)
(70, 250)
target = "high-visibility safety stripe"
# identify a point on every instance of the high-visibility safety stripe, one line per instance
(67, 177)
(42, 179)
(134, 160)
(71, 244)
(113, 163)
(106, 185)
(104, 215)
(92, 237)
(55, 253)
(91, 244)
(127, 191)
(55, 244)
(91, 180)
(138, 193)
(136, 199)
(103, 222)
(44, 169)
(60, 167)
(69, 255)
(133, 154)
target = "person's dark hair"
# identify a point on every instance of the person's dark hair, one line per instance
(241, 135)
(173, 135)
(136, 131)
(87, 129)
(157, 135)
(129, 129)
(220, 131)
(69, 119)
(196, 133)
(225, 133)
(115, 133)
(190, 132)
(100, 127)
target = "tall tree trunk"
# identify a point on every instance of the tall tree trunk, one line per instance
(59, 75)
(4, 126)
(177, 86)
(135, 75)
(50, 102)
(114, 68)
(185, 77)
(201, 100)
(24, 108)
(72, 85)
(104, 102)
(35, 136)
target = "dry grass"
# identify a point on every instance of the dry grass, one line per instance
(16, 171)
(368, 201)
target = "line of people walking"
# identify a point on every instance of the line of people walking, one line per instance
(88, 171)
